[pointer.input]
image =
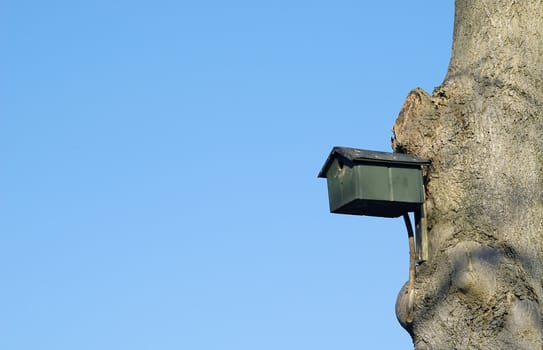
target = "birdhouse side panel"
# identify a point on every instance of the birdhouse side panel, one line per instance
(342, 187)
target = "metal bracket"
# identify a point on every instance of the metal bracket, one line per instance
(421, 235)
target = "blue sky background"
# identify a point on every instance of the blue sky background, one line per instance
(159, 166)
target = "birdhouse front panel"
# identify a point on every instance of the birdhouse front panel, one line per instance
(406, 184)
(375, 189)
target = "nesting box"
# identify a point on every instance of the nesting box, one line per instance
(362, 182)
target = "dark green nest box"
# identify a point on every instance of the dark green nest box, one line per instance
(362, 182)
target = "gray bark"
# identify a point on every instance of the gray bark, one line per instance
(482, 286)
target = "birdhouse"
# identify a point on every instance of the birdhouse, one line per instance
(362, 182)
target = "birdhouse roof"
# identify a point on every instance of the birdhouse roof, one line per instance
(355, 155)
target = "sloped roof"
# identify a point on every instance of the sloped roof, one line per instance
(361, 155)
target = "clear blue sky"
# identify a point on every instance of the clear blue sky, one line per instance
(159, 160)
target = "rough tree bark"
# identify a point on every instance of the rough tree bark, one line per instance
(482, 286)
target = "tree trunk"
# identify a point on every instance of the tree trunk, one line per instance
(482, 286)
